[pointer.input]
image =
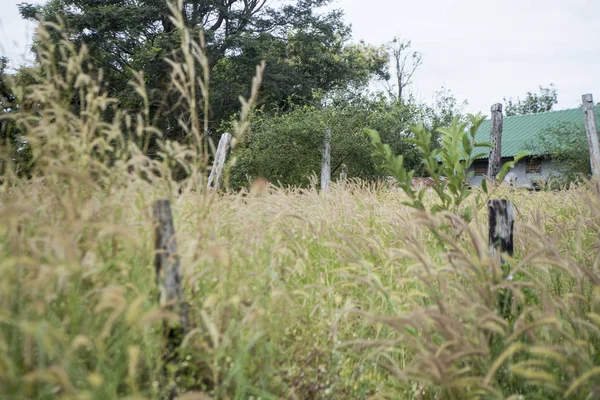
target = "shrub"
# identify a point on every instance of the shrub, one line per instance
(286, 147)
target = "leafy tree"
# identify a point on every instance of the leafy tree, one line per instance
(12, 148)
(6, 96)
(567, 145)
(533, 102)
(286, 147)
(442, 111)
(6, 101)
(304, 50)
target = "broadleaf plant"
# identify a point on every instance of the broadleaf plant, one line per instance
(448, 165)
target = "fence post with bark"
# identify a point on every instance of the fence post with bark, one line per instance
(591, 128)
(166, 262)
(326, 161)
(214, 180)
(501, 217)
(496, 140)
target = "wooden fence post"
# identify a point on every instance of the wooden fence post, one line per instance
(501, 217)
(495, 157)
(344, 173)
(326, 161)
(591, 127)
(166, 261)
(502, 220)
(214, 180)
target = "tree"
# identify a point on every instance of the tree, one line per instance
(405, 64)
(285, 147)
(6, 97)
(567, 146)
(12, 148)
(304, 50)
(6, 101)
(533, 103)
(444, 109)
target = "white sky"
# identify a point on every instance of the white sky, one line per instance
(15, 33)
(481, 50)
(486, 50)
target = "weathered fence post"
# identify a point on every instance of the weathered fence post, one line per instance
(214, 180)
(166, 261)
(501, 217)
(326, 161)
(591, 127)
(344, 173)
(495, 157)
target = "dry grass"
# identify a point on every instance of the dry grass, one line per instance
(293, 293)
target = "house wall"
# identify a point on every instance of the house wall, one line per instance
(524, 179)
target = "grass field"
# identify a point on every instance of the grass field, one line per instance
(295, 294)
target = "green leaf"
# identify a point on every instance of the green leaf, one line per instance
(520, 156)
(466, 142)
(478, 155)
(468, 213)
(484, 144)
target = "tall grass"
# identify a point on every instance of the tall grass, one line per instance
(292, 293)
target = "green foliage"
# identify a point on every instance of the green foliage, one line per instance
(567, 146)
(304, 50)
(15, 153)
(444, 109)
(533, 103)
(4, 90)
(447, 166)
(286, 147)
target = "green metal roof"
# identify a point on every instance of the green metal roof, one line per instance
(520, 133)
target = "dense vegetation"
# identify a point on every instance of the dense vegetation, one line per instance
(567, 144)
(306, 50)
(315, 79)
(357, 292)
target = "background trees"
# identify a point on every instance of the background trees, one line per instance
(286, 147)
(533, 102)
(12, 148)
(305, 50)
(567, 145)
(315, 78)
(404, 63)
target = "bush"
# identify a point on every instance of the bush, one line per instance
(567, 145)
(285, 148)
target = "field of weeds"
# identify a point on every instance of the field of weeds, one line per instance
(295, 294)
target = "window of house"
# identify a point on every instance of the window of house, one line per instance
(481, 167)
(534, 166)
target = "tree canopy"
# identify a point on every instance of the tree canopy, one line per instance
(533, 103)
(305, 50)
(315, 78)
(9, 144)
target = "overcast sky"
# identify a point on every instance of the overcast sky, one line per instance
(481, 50)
